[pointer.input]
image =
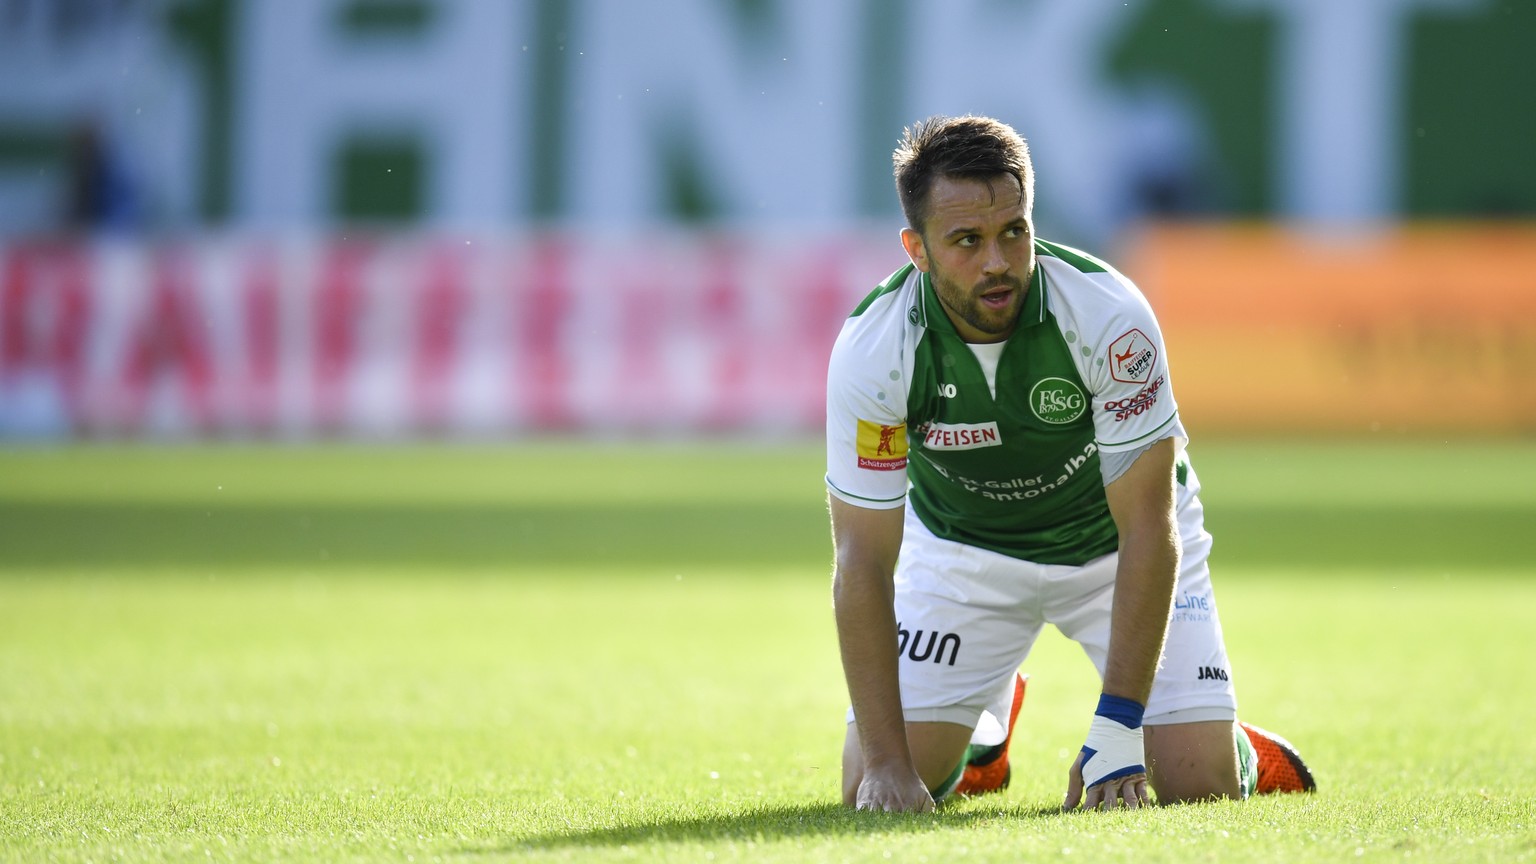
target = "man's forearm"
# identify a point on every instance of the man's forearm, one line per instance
(866, 634)
(1144, 587)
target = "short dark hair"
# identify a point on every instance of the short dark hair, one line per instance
(970, 147)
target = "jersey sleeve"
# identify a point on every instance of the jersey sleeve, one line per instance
(1133, 403)
(866, 420)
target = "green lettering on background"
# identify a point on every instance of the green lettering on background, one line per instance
(1227, 61)
(684, 183)
(388, 18)
(881, 70)
(1470, 113)
(548, 126)
(205, 30)
(379, 181)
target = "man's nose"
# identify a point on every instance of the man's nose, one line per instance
(995, 263)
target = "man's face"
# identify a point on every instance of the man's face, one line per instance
(977, 246)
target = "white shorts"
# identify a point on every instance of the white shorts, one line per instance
(967, 618)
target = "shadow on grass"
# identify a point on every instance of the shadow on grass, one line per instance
(770, 824)
(523, 538)
(72, 535)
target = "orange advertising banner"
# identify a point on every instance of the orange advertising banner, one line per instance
(1417, 329)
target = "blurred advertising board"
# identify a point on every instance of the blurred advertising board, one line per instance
(405, 336)
(1423, 328)
(1420, 329)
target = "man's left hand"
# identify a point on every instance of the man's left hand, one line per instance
(1129, 791)
(1112, 761)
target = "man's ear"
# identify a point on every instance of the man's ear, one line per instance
(913, 243)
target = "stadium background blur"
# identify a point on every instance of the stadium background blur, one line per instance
(411, 412)
(406, 219)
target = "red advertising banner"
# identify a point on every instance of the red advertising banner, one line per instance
(417, 336)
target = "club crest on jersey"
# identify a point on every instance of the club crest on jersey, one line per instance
(1131, 358)
(881, 447)
(1057, 400)
(961, 436)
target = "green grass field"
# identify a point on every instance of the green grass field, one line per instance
(559, 652)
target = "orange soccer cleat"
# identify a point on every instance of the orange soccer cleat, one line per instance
(1280, 766)
(989, 770)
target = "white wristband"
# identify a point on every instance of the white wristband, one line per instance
(1112, 751)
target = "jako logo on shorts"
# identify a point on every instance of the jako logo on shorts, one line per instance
(1057, 400)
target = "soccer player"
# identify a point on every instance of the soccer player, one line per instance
(1003, 452)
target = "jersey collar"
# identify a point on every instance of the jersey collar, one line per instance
(932, 314)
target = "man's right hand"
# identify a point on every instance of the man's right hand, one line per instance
(894, 792)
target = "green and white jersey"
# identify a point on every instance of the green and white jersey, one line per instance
(999, 443)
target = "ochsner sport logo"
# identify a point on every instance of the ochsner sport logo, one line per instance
(1057, 400)
(961, 436)
(1133, 406)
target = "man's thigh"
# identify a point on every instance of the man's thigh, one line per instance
(1194, 678)
(1192, 761)
(965, 621)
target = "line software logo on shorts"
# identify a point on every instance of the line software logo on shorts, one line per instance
(880, 447)
(1057, 400)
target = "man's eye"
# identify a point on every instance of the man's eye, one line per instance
(968, 240)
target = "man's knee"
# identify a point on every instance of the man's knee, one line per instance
(936, 749)
(853, 767)
(1189, 762)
